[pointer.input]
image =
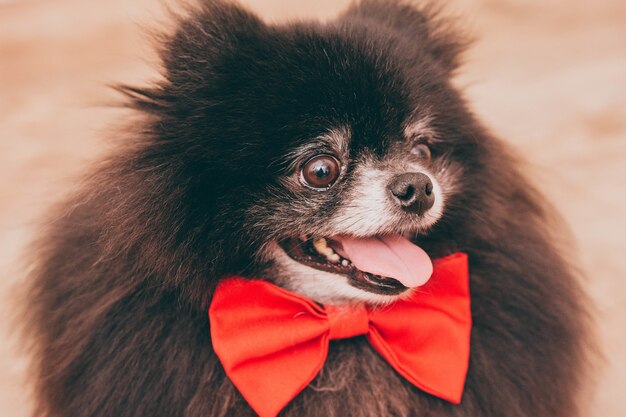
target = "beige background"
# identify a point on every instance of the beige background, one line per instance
(549, 77)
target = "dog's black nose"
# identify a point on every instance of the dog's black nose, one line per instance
(413, 191)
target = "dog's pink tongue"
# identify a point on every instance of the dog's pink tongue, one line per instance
(389, 256)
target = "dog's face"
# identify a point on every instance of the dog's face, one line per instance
(348, 207)
(322, 153)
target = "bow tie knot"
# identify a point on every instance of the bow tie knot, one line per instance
(347, 321)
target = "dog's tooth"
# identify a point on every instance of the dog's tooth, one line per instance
(321, 246)
(345, 262)
(334, 258)
(318, 245)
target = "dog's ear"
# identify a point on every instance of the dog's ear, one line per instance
(204, 36)
(206, 33)
(422, 23)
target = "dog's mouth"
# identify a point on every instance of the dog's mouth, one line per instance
(387, 264)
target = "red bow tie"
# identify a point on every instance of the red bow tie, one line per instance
(272, 343)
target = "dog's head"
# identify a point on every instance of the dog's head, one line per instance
(317, 155)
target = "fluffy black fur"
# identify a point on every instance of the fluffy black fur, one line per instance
(124, 277)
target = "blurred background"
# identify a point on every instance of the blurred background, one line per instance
(548, 77)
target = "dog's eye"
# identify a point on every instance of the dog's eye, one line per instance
(321, 171)
(422, 151)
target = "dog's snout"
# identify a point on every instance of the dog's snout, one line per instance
(413, 191)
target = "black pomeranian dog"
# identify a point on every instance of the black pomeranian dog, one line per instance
(263, 147)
